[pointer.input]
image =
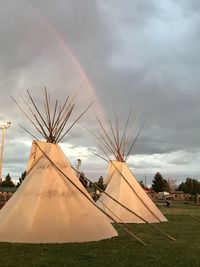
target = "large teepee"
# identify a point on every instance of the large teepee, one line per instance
(121, 183)
(51, 205)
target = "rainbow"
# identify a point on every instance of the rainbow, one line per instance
(73, 58)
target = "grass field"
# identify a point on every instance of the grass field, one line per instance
(122, 250)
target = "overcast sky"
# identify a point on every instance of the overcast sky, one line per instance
(135, 55)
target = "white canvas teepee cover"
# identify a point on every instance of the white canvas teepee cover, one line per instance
(47, 208)
(136, 200)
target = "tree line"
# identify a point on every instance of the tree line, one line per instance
(159, 184)
(7, 182)
(190, 186)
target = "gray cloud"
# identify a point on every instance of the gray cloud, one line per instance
(140, 55)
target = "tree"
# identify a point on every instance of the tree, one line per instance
(181, 187)
(100, 183)
(142, 184)
(21, 179)
(159, 184)
(172, 185)
(190, 186)
(83, 180)
(7, 182)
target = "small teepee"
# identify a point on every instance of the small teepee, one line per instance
(121, 183)
(51, 205)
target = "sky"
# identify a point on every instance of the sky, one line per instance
(126, 55)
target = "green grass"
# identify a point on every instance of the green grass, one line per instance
(122, 250)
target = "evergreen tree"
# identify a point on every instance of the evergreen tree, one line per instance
(159, 184)
(190, 186)
(142, 184)
(83, 180)
(181, 187)
(21, 179)
(100, 183)
(7, 182)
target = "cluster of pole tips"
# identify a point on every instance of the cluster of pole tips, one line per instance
(52, 122)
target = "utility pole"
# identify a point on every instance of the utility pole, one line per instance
(145, 179)
(3, 126)
(78, 167)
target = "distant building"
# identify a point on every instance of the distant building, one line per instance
(5, 194)
(180, 195)
(150, 193)
(163, 196)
